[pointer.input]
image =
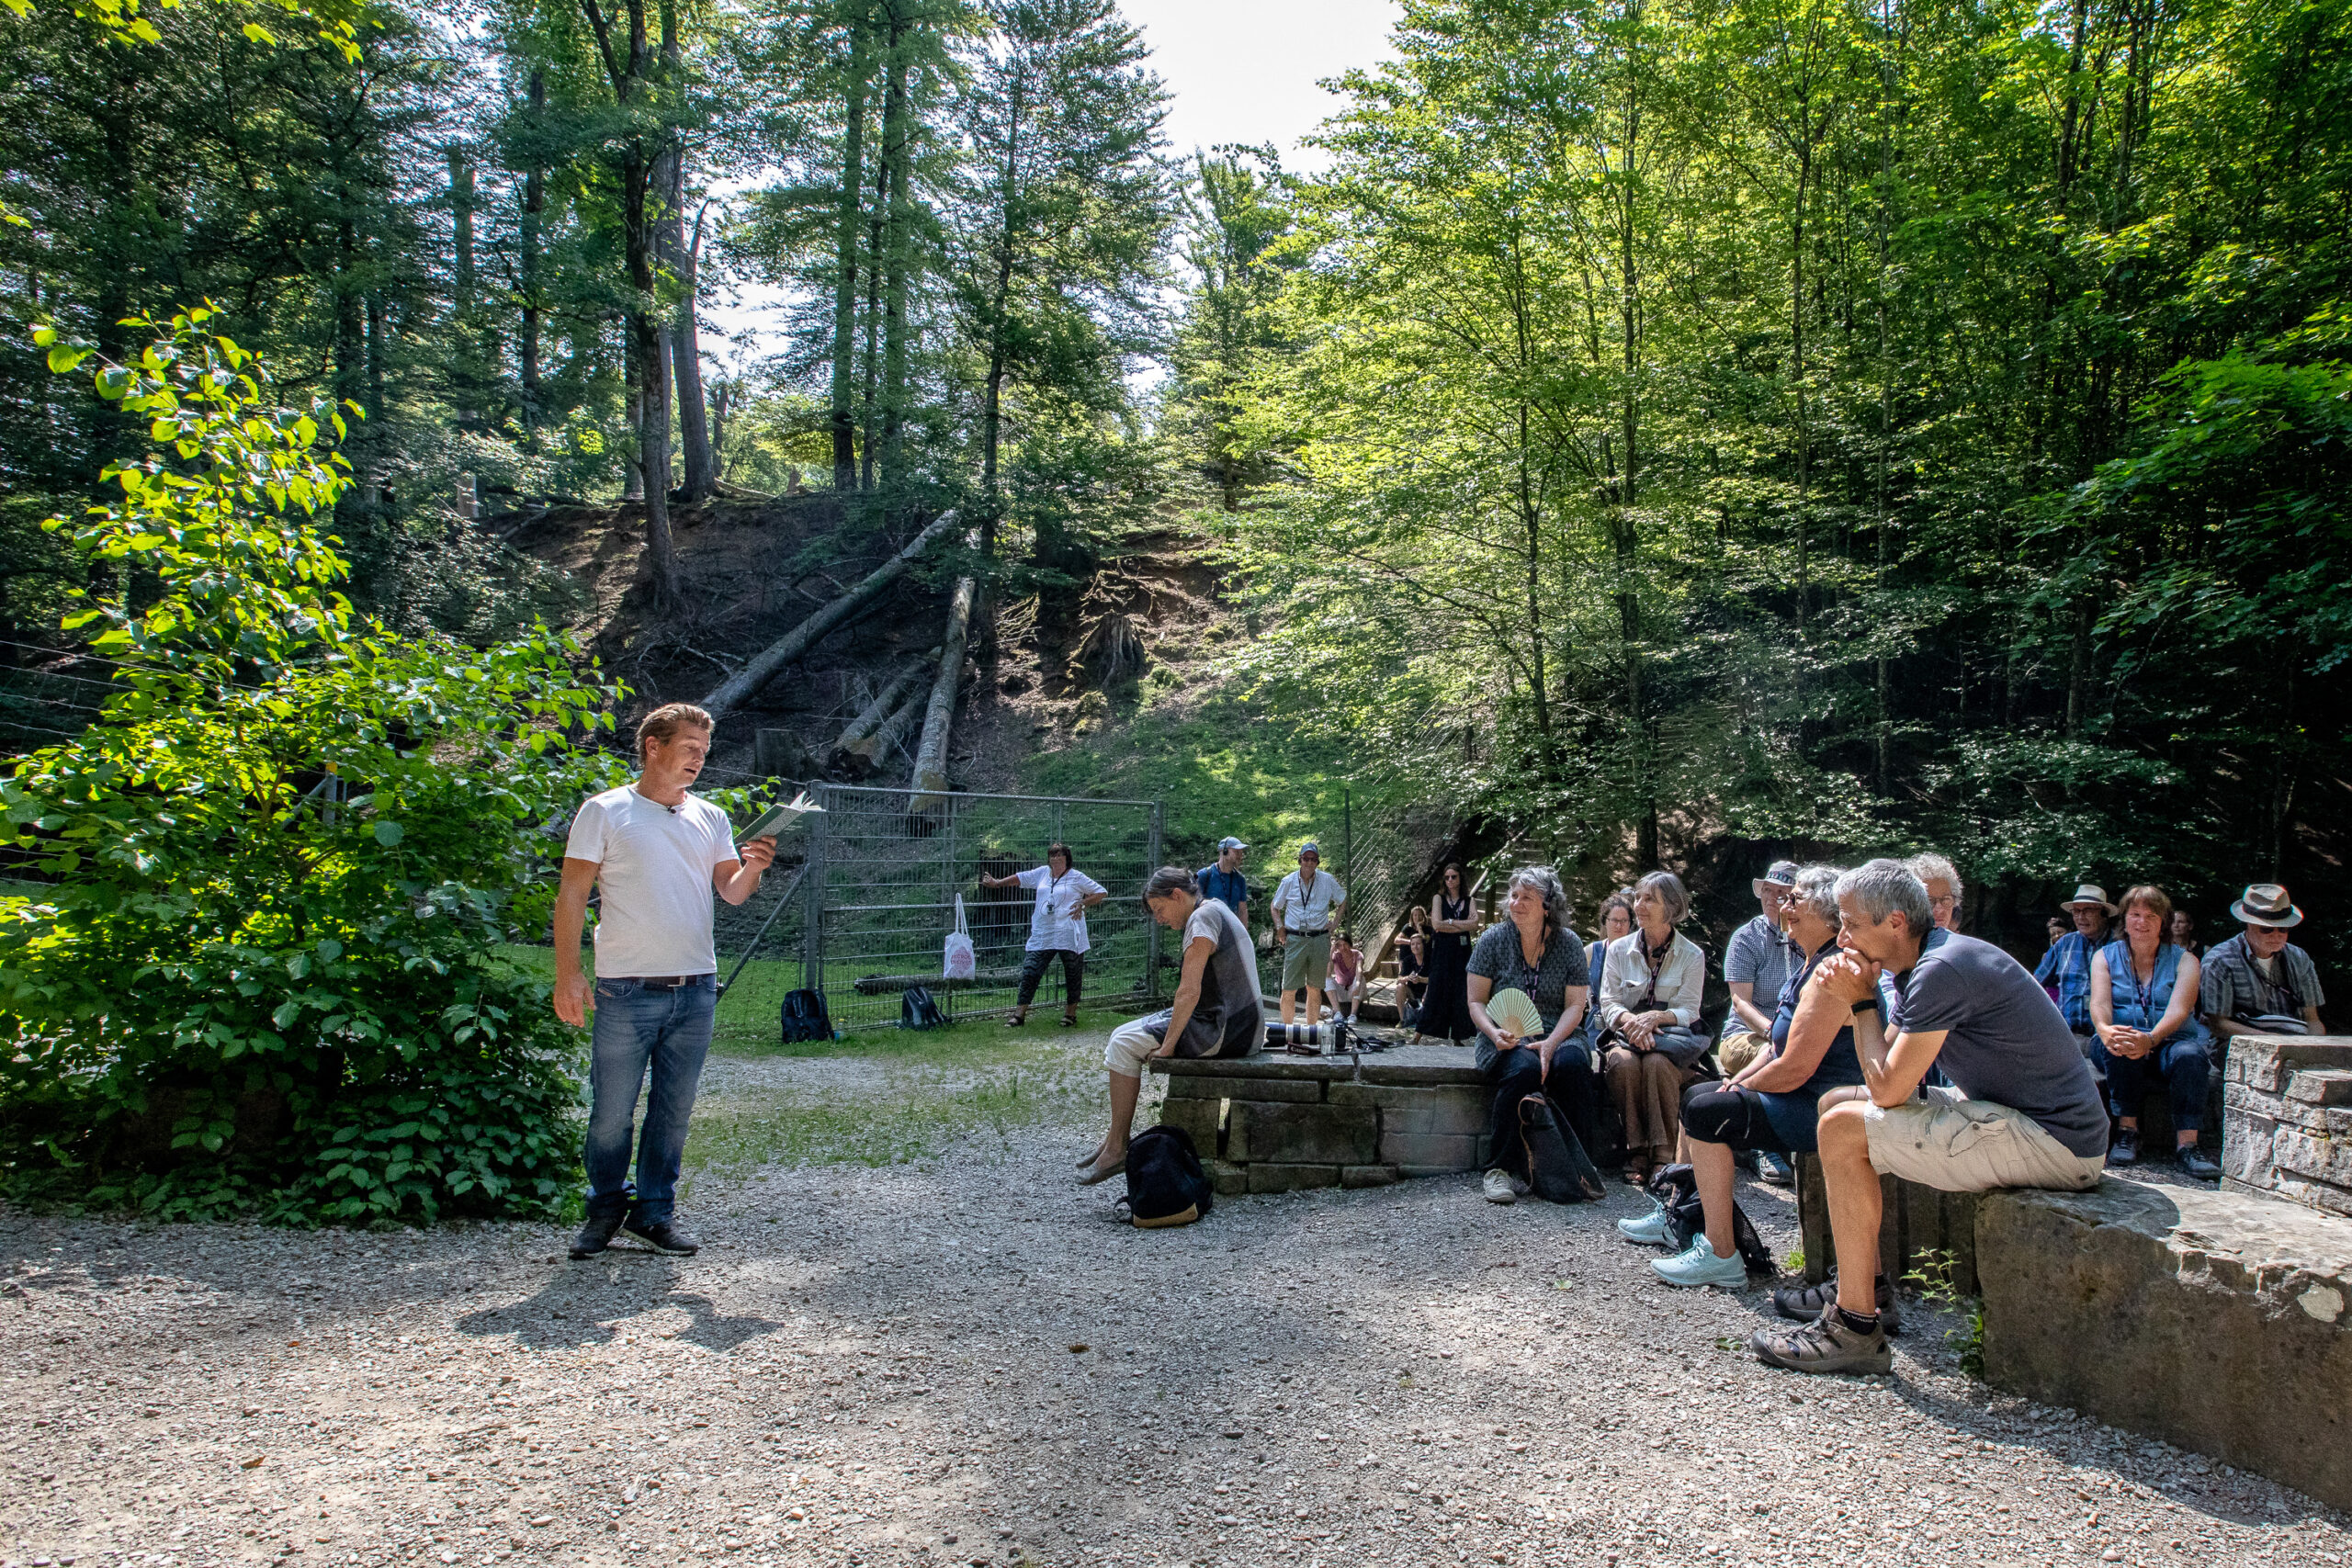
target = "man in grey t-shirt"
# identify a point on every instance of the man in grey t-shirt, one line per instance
(2023, 1111)
(1218, 1010)
(1757, 961)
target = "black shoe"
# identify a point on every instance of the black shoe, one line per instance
(596, 1236)
(2125, 1150)
(1805, 1303)
(2196, 1162)
(664, 1237)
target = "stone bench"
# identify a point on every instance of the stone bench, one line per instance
(1275, 1123)
(1925, 1237)
(2214, 1320)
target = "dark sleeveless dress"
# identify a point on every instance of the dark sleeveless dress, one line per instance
(1446, 1013)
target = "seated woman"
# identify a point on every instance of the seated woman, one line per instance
(1218, 1009)
(1412, 969)
(1774, 1103)
(1651, 984)
(1344, 990)
(1531, 951)
(1616, 921)
(2143, 1007)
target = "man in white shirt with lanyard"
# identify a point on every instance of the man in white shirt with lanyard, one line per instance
(1305, 903)
(657, 853)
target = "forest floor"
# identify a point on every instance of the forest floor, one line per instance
(910, 1339)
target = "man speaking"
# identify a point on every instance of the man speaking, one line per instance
(657, 853)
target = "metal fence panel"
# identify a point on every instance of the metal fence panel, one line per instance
(878, 898)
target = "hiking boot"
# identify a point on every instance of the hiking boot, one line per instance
(1777, 1171)
(596, 1234)
(1650, 1229)
(1828, 1346)
(1805, 1303)
(2125, 1150)
(665, 1237)
(1497, 1187)
(1698, 1265)
(2196, 1162)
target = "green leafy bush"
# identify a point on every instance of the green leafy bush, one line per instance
(261, 975)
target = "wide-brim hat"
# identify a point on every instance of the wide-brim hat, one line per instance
(2265, 904)
(1779, 874)
(2088, 893)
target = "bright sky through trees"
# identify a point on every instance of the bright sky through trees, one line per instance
(1237, 71)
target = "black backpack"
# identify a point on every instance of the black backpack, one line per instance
(917, 1009)
(1677, 1187)
(805, 1018)
(1165, 1185)
(1558, 1168)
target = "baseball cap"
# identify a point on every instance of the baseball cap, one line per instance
(1230, 842)
(1311, 848)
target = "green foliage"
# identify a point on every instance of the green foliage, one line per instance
(264, 971)
(1798, 421)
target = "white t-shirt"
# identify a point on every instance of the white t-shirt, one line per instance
(654, 867)
(1053, 925)
(1307, 908)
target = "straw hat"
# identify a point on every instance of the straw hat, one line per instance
(2265, 904)
(2090, 894)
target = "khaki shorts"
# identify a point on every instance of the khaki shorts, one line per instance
(1306, 961)
(1972, 1145)
(1737, 1049)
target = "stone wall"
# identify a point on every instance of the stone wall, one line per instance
(1269, 1124)
(2286, 1119)
(2215, 1320)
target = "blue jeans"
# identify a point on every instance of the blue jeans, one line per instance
(635, 1027)
(2184, 1066)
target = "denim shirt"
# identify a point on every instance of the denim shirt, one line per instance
(2068, 961)
(2143, 1007)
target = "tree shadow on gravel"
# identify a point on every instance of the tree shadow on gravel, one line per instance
(586, 1305)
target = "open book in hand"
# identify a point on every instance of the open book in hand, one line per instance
(776, 818)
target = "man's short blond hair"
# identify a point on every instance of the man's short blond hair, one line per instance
(664, 722)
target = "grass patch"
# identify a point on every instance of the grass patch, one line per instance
(1219, 768)
(905, 1097)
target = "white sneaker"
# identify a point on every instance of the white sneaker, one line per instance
(1698, 1265)
(1649, 1230)
(1497, 1187)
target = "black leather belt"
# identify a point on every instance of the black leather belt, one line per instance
(1323, 932)
(667, 982)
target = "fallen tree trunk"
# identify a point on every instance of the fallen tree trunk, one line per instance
(931, 757)
(738, 688)
(865, 756)
(882, 708)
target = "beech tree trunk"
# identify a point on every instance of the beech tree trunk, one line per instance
(939, 717)
(852, 205)
(866, 756)
(770, 662)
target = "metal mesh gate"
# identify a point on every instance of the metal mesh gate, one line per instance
(877, 897)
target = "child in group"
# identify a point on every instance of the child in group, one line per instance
(1346, 989)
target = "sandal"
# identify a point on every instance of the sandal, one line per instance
(1069, 1021)
(1016, 1021)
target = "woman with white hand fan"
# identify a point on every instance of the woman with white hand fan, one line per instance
(1528, 991)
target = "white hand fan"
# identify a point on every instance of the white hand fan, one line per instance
(1514, 1014)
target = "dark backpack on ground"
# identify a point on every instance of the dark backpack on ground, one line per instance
(805, 1018)
(918, 1010)
(1558, 1168)
(1677, 1187)
(1165, 1185)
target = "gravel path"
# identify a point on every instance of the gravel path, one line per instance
(964, 1360)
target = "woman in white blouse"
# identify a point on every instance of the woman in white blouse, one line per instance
(1650, 987)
